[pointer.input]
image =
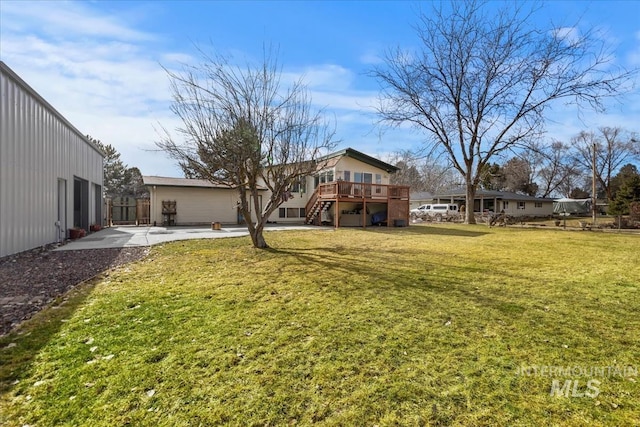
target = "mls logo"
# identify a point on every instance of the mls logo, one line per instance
(573, 388)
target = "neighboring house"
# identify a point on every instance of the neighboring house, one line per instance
(496, 201)
(182, 201)
(349, 188)
(419, 199)
(50, 173)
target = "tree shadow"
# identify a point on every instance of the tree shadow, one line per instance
(430, 230)
(428, 275)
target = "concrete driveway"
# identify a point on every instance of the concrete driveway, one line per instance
(128, 236)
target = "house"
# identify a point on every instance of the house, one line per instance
(496, 201)
(419, 199)
(185, 201)
(349, 188)
(50, 173)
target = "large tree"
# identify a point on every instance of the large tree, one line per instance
(423, 171)
(612, 147)
(482, 80)
(133, 184)
(553, 168)
(113, 169)
(242, 128)
(518, 177)
(119, 179)
(625, 173)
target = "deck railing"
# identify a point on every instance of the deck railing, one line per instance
(356, 192)
(347, 189)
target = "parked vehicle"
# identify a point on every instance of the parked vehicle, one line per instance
(434, 211)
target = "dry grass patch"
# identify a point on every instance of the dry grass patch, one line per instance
(416, 326)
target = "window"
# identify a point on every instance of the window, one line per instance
(538, 204)
(299, 186)
(291, 213)
(347, 175)
(378, 181)
(365, 177)
(505, 204)
(521, 205)
(325, 176)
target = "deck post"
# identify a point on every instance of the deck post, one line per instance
(336, 216)
(364, 212)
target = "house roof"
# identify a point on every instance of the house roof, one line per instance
(162, 181)
(365, 158)
(421, 195)
(503, 195)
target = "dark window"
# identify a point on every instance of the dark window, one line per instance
(282, 212)
(299, 186)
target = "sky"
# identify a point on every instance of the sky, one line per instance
(100, 63)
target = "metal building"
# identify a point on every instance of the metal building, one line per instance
(50, 173)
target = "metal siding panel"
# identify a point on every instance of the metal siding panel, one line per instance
(37, 146)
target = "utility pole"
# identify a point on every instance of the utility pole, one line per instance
(593, 187)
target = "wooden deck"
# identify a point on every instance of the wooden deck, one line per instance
(396, 197)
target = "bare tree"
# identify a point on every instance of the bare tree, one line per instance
(408, 173)
(482, 82)
(518, 177)
(242, 129)
(423, 171)
(438, 175)
(553, 168)
(613, 148)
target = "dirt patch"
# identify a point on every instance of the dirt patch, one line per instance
(31, 280)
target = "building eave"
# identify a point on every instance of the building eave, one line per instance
(365, 158)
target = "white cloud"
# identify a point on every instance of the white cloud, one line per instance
(633, 56)
(371, 58)
(570, 34)
(108, 83)
(74, 18)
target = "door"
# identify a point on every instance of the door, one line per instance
(62, 210)
(81, 203)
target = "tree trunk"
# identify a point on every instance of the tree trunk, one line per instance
(470, 218)
(258, 239)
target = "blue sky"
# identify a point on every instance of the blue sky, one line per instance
(98, 62)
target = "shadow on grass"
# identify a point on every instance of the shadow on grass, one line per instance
(20, 347)
(65, 285)
(431, 231)
(381, 279)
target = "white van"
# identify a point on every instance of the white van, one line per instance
(436, 211)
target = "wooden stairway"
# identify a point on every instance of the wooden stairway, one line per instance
(315, 207)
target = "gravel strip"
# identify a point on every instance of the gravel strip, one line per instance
(31, 280)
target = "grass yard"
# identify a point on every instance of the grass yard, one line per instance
(446, 325)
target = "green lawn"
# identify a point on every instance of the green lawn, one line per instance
(415, 326)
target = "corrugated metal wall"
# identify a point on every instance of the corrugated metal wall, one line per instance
(40, 155)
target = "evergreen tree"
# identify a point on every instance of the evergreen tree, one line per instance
(628, 193)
